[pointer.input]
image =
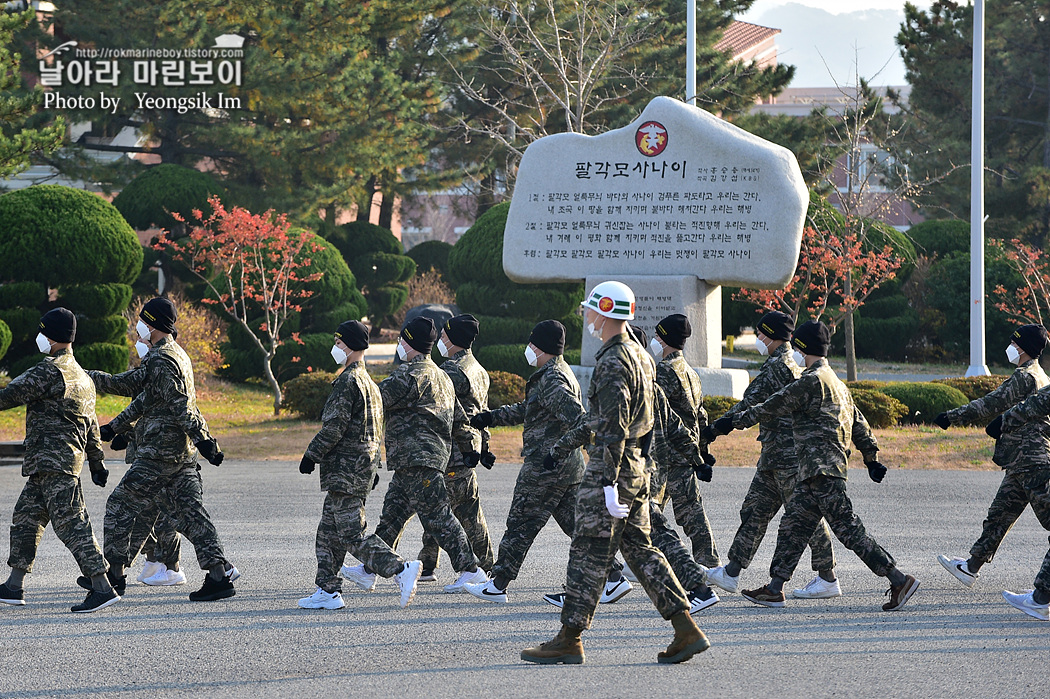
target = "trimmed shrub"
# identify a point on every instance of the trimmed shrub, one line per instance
(716, 406)
(110, 330)
(306, 394)
(431, 254)
(103, 357)
(148, 200)
(925, 400)
(532, 303)
(506, 358)
(974, 387)
(5, 338)
(51, 234)
(505, 389)
(96, 300)
(881, 410)
(502, 331)
(293, 359)
(867, 385)
(941, 238)
(19, 366)
(378, 261)
(573, 357)
(22, 322)
(884, 327)
(335, 294)
(23, 294)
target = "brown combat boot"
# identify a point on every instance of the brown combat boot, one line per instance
(566, 648)
(688, 640)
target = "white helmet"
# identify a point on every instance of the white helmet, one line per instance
(612, 300)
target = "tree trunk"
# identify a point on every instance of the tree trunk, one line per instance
(851, 349)
(272, 380)
(364, 209)
(386, 210)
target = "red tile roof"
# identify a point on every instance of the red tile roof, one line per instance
(740, 36)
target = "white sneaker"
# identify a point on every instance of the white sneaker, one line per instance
(629, 574)
(232, 573)
(958, 568)
(149, 569)
(697, 603)
(322, 600)
(478, 576)
(720, 578)
(406, 581)
(1026, 604)
(358, 576)
(487, 591)
(165, 577)
(614, 590)
(818, 588)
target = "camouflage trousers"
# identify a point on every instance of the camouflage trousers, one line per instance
(770, 490)
(155, 533)
(816, 497)
(59, 499)
(670, 544)
(597, 537)
(421, 491)
(136, 494)
(342, 530)
(465, 502)
(1016, 492)
(683, 491)
(539, 494)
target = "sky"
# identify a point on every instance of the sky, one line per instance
(827, 40)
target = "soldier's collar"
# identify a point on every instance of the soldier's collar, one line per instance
(1027, 364)
(674, 355)
(620, 339)
(823, 361)
(462, 353)
(161, 342)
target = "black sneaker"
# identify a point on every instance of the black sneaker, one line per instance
(555, 598)
(96, 600)
(11, 596)
(213, 589)
(120, 585)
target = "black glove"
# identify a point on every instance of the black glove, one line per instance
(942, 421)
(472, 458)
(876, 470)
(482, 420)
(209, 449)
(99, 474)
(704, 471)
(106, 432)
(488, 459)
(708, 435)
(723, 425)
(119, 443)
(307, 465)
(708, 458)
(995, 428)
(375, 481)
(549, 463)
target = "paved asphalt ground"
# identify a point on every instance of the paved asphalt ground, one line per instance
(947, 642)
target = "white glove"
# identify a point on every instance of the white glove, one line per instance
(612, 503)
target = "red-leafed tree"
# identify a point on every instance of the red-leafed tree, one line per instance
(1030, 302)
(253, 266)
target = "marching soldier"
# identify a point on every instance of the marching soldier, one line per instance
(347, 449)
(824, 420)
(61, 429)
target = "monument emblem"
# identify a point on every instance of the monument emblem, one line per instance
(651, 138)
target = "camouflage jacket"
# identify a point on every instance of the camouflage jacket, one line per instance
(347, 446)
(824, 421)
(775, 434)
(61, 427)
(470, 381)
(1026, 435)
(682, 387)
(621, 407)
(169, 421)
(128, 383)
(423, 417)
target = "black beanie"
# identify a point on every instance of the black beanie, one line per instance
(462, 330)
(549, 337)
(776, 326)
(354, 334)
(639, 335)
(159, 314)
(59, 325)
(1030, 338)
(812, 337)
(674, 330)
(420, 334)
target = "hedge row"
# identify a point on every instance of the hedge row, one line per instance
(886, 403)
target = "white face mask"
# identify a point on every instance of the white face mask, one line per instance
(1012, 354)
(141, 348)
(530, 356)
(143, 330)
(401, 353)
(442, 348)
(656, 349)
(799, 358)
(338, 354)
(763, 348)
(43, 344)
(596, 332)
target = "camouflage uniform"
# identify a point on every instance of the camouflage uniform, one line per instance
(824, 421)
(61, 429)
(347, 450)
(621, 400)
(1021, 452)
(682, 387)
(422, 419)
(169, 424)
(552, 405)
(155, 531)
(777, 474)
(471, 383)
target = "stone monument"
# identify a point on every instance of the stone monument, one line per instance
(674, 205)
